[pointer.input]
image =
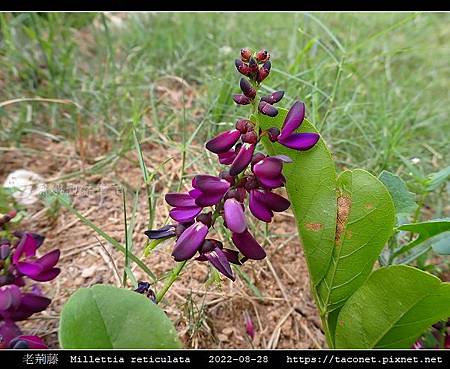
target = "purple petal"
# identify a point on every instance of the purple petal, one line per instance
(164, 232)
(30, 342)
(49, 260)
(232, 256)
(27, 245)
(178, 200)
(243, 159)
(5, 250)
(300, 141)
(247, 88)
(218, 259)
(30, 269)
(227, 157)
(206, 199)
(283, 158)
(248, 246)
(10, 297)
(190, 241)
(293, 119)
(234, 216)
(8, 331)
(275, 202)
(194, 193)
(47, 275)
(267, 109)
(223, 142)
(185, 214)
(30, 305)
(210, 184)
(241, 99)
(269, 167)
(271, 183)
(258, 208)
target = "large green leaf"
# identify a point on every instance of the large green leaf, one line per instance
(365, 221)
(426, 230)
(392, 308)
(404, 200)
(311, 187)
(114, 318)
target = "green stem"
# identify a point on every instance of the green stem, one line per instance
(173, 277)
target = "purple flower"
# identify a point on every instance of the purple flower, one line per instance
(16, 305)
(263, 203)
(268, 171)
(243, 159)
(267, 109)
(228, 157)
(234, 216)
(185, 209)
(248, 246)
(190, 241)
(164, 232)
(42, 269)
(210, 189)
(10, 297)
(223, 142)
(211, 251)
(293, 120)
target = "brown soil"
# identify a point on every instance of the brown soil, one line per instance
(207, 315)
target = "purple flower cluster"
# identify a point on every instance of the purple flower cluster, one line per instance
(251, 178)
(18, 261)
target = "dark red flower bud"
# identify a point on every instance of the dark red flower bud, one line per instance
(225, 174)
(273, 134)
(250, 137)
(267, 109)
(241, 99)
(247, 88)
(262, 56)
(257, 157)
(209, 245)
(236, 193)
(253, 65)
(264, 71)
(242, 67)
(205, 218)
(274, 97)
(251, 183)
(244, 125)
(246, 54)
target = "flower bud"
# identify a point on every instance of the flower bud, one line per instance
(273, 134)
(253, 66)
(242, 125)
(242, 67)
(247, 88)
(209, 245)
(262, 56)
(181, 227)
(264, 71)
(241, 99)
(225, 174)
(274, 97)
(250, 137)
(257, 157)
(205, 218)
(246, 54)
(267, 109)
(236, 193)
(251, 183)
(4, 251)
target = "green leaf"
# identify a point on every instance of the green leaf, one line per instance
(404, 200)
(365, 221)
(434, 180)
(311, 187)
(107, 317)
(392, 308)
(426, 230)
(441, 244)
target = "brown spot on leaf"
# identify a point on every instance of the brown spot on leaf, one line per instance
(314, 226)
(343, 211)
(369, 206)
